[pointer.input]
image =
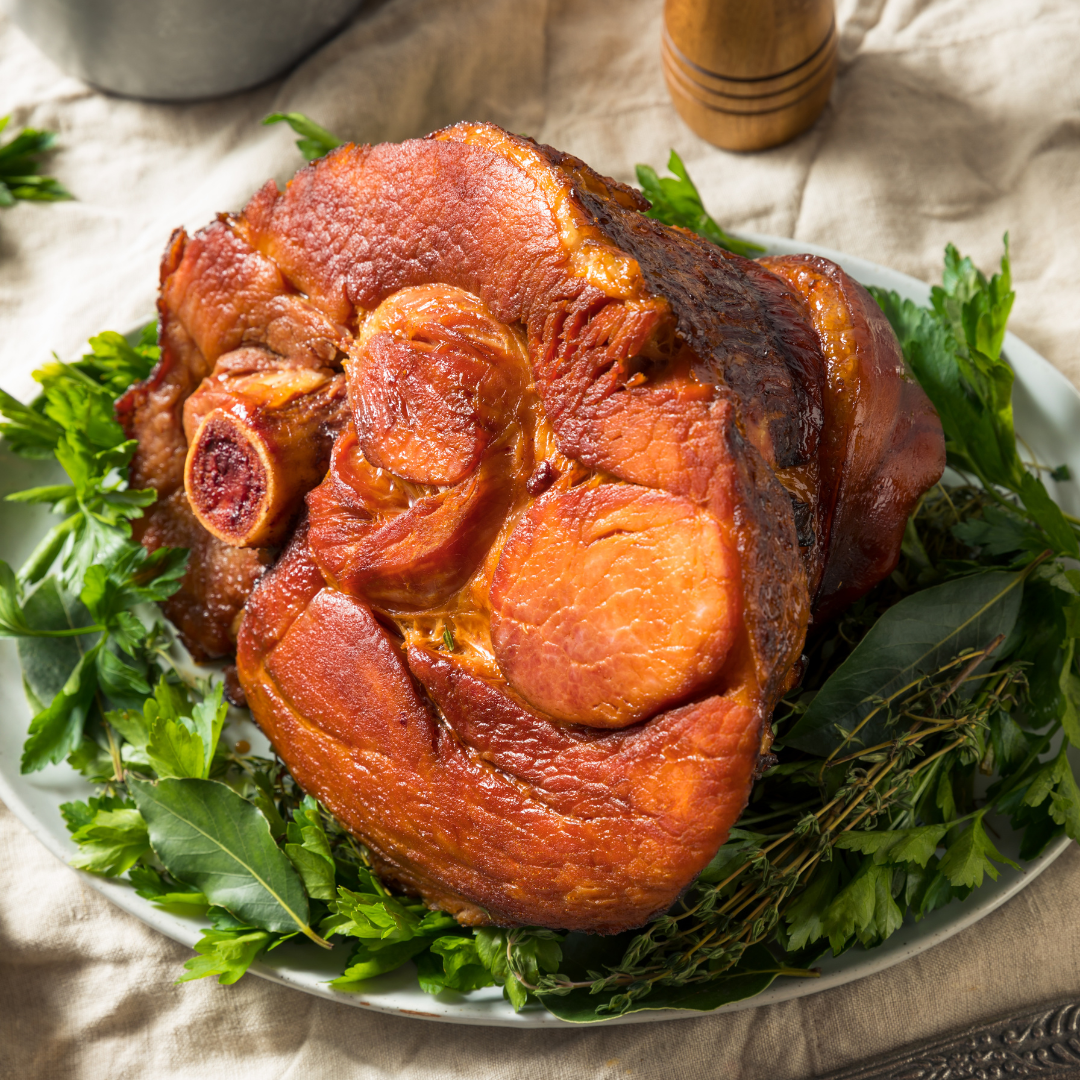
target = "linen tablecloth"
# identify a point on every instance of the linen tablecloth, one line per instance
(950, 120)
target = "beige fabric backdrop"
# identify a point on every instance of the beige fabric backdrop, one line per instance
(951, 120)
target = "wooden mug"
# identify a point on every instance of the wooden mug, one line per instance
(749, 74)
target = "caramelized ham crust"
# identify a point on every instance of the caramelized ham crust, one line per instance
(882, 444)
(218, 298)
(611, 602)
(559, 564)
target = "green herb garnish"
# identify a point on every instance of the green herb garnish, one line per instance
(20, 168)
(954, 350)
(676, 201)
(314, 141)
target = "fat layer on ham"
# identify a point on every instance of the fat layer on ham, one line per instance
(560, 490)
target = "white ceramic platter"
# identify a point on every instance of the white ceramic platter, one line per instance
(1047, 410)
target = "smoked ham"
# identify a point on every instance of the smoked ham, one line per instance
(560, 490)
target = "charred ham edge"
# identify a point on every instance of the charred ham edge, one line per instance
(882, 445)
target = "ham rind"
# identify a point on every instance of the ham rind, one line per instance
(882, 444)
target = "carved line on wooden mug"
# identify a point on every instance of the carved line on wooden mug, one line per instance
(811, 92)
(667, 40)
(674, 67)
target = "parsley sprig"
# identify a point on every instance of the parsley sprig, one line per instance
(314, 142)
(954, 348)
(72, 421)
(74, 604)
(20, 168)
(677, 201)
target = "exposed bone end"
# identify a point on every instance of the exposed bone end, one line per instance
(234, 485)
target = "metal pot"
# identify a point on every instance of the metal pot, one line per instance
(177, 50)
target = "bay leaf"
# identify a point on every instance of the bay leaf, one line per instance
(209, 837)
(912, 639)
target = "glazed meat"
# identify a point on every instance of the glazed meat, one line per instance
(575, 484)
(881, 444)
(223, 313)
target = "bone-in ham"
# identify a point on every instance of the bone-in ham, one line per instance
(549, 492)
